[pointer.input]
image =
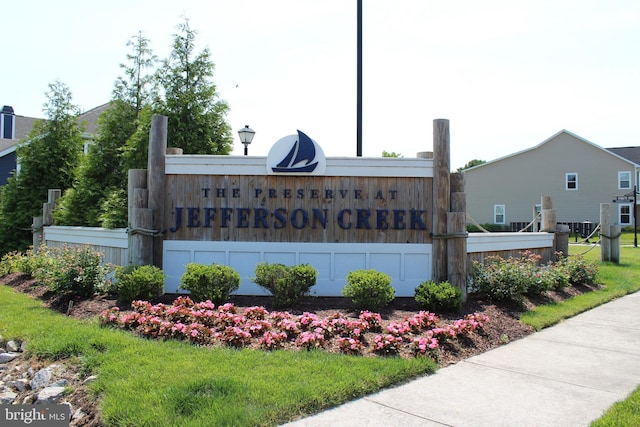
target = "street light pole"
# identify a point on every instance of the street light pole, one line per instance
(246, 136)
(359, 83)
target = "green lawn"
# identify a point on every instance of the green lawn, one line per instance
(154, 383)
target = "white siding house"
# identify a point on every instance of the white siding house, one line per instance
(578, 175)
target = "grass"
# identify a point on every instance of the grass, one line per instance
(624, 413)
(154, 383)
(618, 280)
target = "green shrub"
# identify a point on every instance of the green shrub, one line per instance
(15, 262)
(578, 270)
(72, 270)
(213, 282)
(513, 278)
(369, 289)
(439, 297)
(287, 284)
(135, 282)
(501, 279)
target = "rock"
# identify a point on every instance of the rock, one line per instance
(19, 385)
(7, 357)
(77, 417)
(7, 397)
(13, 346)
(60, 383)
(50, 395)
(90, 379)
(42, 378)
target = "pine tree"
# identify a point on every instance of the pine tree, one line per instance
(101, 178)
(196, 115)
(47, 159)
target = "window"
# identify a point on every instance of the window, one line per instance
(571, 181)
(498, 214)
(624, 214)
(624, 180)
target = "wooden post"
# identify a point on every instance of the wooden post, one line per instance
(441, 197)
(615, 231)
(561, 240)
(457, 251)
(140, 222)
(548, 219)
(137, 178)
(36, 229)
(605, 232)
(174, 150)
(156, 179)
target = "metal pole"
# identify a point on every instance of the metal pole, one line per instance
(359, 84)
(635, 215)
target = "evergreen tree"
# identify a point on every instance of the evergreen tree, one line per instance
(196, 115)
(101, 175)
(47, 159)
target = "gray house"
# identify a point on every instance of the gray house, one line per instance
(14, 128)
(578, 175)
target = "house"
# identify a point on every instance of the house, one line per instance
(14, 128)
(578, 175)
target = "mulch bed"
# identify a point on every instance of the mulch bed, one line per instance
(503, 326)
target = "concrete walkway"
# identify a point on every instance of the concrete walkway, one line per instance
(566, 375)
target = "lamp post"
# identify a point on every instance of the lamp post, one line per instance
(246, 136)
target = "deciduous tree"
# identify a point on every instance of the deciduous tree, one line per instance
(47, 159)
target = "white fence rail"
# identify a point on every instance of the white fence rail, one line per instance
(112, 243)
(333, 261)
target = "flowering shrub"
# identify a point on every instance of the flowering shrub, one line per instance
(310, 339)
(73, 270)
(272, 340)
(387, 344)
(373, 321)
(15, 262)
(349, 345)
(513, 278)
(425, 344)
(203, 323)
(578, 270)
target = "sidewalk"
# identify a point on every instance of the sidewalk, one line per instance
(566, 375)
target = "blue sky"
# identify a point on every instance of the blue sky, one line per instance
(507, 74)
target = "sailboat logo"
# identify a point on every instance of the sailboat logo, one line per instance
(297, 154)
